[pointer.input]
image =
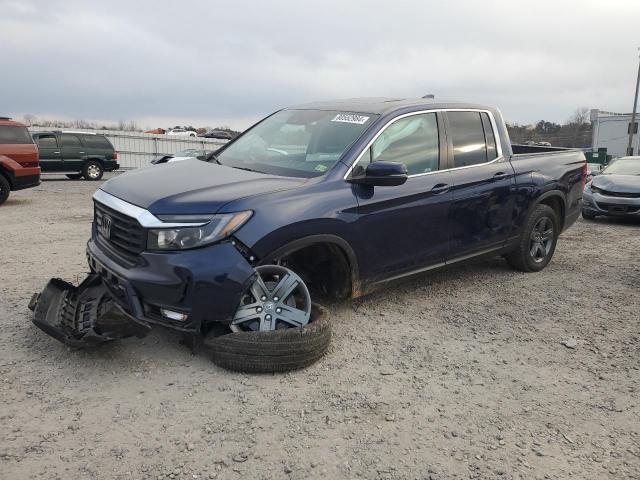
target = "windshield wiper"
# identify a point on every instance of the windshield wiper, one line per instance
(214, 157)
(247, 169)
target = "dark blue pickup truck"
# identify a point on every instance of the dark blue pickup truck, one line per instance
(327, 199)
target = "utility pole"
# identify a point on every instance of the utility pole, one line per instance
(632, 125)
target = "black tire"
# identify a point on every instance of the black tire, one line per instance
(5, 188)
(74, 176)
(273, 351)
(92, 170)
(587, 216)
(521, 258)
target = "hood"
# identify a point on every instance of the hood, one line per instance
(192, 186)
(617, 183)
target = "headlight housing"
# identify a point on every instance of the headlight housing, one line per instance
(217, 228)
(595, 189)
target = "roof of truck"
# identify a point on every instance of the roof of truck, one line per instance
(382, 105)
(6, 121)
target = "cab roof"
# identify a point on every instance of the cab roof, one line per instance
(6, 121)
(383, 105)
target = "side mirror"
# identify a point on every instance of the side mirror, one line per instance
(383, 174)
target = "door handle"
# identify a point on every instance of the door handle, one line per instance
(500, 176)
(80, 152)
(440, 188)
(57, 153)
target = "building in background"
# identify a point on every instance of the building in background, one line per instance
(611, 131)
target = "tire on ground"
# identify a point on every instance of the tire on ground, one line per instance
(273, 351)
(520, 259)
(91, 164)
(587, 216)
(5, 188)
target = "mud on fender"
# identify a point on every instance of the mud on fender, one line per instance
(82, 316)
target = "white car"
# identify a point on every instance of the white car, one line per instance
(182, 132)
(181, 155)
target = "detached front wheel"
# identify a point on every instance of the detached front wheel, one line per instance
(276, 328)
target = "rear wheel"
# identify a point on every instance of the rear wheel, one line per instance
(93, 170)
(5, 188)
(74, 176)
(538, 241)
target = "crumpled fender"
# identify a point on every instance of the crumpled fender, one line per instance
(82, 316)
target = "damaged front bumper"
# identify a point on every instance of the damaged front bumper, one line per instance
(82, 316)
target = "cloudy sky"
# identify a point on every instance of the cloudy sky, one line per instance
(162, 63)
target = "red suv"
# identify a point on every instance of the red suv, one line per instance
(19, 164)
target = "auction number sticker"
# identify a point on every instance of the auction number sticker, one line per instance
(350, 118)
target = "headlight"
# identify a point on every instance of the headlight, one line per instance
(182, 238)
(595, 189)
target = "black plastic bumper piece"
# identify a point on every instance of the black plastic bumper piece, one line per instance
(82, 316)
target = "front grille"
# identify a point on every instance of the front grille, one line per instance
(617, 208)
(126, 237)
(618, 194)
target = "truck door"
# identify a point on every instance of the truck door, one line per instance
(483, 185)
(49, 152)
(72, 152)
(404, 228)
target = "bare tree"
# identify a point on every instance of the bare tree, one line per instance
(577, 124)
(30, 119)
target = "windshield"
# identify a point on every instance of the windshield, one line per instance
(623, 167)
(296, 143)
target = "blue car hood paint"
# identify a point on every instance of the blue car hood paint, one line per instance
(617, 183)
(192, 186)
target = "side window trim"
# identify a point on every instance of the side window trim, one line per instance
(446, 156)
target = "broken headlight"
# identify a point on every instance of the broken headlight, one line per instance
(183, 238)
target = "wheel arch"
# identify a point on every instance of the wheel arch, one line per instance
(557, 201)
(322, 239)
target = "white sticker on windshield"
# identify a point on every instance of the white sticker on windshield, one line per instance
(350, 118)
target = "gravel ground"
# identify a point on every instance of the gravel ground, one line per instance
(459, 374)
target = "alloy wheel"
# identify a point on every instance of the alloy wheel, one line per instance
(93, 171)
(541, 240)
(277, 299)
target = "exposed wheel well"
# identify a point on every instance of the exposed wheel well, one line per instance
(324, 267)
(557, 204)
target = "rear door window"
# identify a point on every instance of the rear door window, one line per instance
(11, 134)
(47, 141)
(468, 138)
(70, 140)
(492, 151)
(96, 141)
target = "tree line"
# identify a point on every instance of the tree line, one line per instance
(575, 132)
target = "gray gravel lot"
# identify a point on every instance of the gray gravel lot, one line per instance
(459, 374)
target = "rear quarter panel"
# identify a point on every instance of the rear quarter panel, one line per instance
(542, 174)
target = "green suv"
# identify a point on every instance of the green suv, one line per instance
(78, 154)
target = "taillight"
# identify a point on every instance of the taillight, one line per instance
(115, 155)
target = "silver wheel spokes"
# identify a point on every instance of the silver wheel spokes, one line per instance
(277, 299)
(93, 171)
(541, 239)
